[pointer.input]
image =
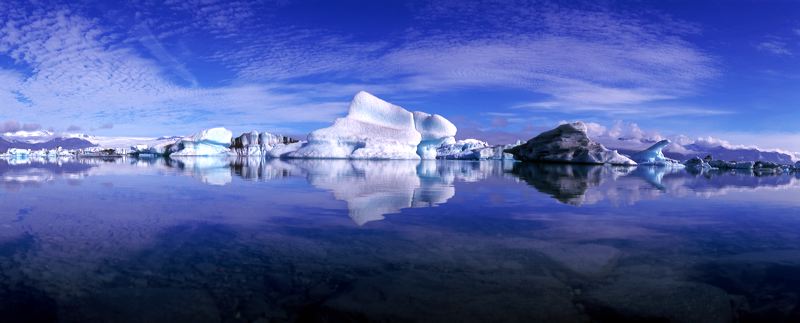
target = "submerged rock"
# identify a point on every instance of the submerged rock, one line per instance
(655, 156)
(567, 143)
(376, 129)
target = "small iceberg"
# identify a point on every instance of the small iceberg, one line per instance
(209, 142)
(655, 157)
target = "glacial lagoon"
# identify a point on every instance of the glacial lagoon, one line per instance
(251, 240)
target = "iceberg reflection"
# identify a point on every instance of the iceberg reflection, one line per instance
(372, 189)
(587, 184)
(22, 172)
(210, 170)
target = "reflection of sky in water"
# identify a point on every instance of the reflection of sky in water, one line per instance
(226, 239)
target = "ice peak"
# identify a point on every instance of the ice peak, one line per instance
(369, 108)
(659, 145)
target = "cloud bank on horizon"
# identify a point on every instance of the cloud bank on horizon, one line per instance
(498, 69)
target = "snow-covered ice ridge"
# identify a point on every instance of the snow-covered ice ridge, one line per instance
(376, 129)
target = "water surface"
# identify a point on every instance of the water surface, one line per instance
(244, 240)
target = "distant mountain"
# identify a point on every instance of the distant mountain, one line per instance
(66, 143)
(702, 149)
(740, 154)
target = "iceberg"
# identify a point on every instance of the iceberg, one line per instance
(263, 144)
(17, 152)
(435, 131)
(461, 149)
(248, 144)
(721, 164)
(209, 142)
(473, 149)
(567, 143)
(376, 129)
(495, 152)
(283, 150)
(654, 156)
(697, 164)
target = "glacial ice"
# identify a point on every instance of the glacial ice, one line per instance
(461, 149)
(376, 129)
(473, 149)
(263, 144)
(282, 150)
(654, 156)
(721, 164)
(697, 164)
(435, 131)
(567, 143)
(209, 142)
(18, 152)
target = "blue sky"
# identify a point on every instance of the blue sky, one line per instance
(498, 69)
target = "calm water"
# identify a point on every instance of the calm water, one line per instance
(210, 240)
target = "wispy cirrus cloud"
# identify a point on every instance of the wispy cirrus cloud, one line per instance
(72, 66)
(75, 67)
(775, 46)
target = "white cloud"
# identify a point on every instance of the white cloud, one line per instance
(580, 59)
(76, 68)
(775, 47)
(79, 70)
(628, 135)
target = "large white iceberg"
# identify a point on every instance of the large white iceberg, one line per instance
(209, 142)
(655, 156)
(376, 129)
(567, 143)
